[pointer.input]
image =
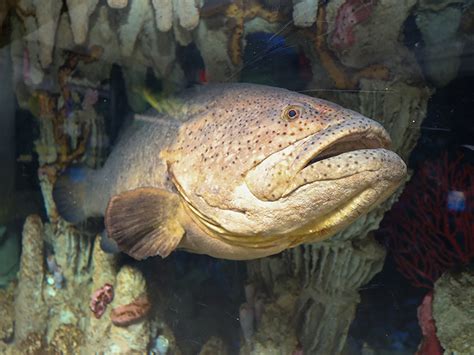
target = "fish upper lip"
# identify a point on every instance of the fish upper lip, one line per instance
(337, 140)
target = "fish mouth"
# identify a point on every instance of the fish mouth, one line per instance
(294, 166)
(347, 144)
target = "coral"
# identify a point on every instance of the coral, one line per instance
(130, 286)
(104, 270)
(32, 70)
(430, 344)
(316, 285)
(247, 321)
(56, 147)
(343, 78)
(131, 313)
(378, 50)
(117, 4)
(163, 14)
(137, 14)
(100, 299)
(187, 13)
(57, 321)
(79, 13)
(214, 346)
(400, 107)
(7, 313)
(437, 5)
(47, 16)
(304, 12)
(443, 45)
(213, 45)
(160, 345)
(453, 311)
(425, 235)
(349, 15)
(30, 309)
(238, 13)
(33, 343)
(55, 276)
(67, 339)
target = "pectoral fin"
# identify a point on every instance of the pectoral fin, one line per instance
(144, 222)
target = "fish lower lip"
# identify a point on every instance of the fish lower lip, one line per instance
(345, 145)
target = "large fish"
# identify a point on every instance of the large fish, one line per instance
(242, 171)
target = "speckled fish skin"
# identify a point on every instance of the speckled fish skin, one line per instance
(253, 180)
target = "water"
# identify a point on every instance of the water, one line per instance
(78, 80)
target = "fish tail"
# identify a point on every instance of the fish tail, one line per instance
(70, 193)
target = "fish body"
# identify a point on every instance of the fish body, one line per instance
(241, 171)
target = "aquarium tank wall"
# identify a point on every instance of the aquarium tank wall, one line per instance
(236, 177)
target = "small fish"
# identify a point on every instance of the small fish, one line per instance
(240, 171)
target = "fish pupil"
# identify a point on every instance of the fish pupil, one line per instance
(292, 113)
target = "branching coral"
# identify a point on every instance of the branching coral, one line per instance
(425, 231)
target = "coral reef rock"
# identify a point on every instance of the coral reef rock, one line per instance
(30, 308)
(304, 12)
(130, 285)
(316, 286)
(372, 36)
(443, 45)
(54, 318)
(7, 313)
(453, 311)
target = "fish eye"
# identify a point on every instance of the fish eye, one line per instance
(291, 113)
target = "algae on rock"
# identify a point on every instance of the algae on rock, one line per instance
(453, 311)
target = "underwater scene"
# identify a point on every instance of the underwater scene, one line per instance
(223, 177)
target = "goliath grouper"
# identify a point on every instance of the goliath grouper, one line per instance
(240, 172)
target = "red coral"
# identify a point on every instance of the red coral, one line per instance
(100, 299)
(430, 344)
(123, 316)
(349, 15)
(425, 233)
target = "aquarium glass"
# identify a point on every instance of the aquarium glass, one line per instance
(229, 177)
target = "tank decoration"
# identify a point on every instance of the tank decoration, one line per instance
(214, 346)
(453, 311)
(247, 320)
(7, 313)
(100, 299)
(431, 226)
(359, 58)
(30, 285)
(62, 321)
(55, 276)
(134, 312)
(160, 346)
